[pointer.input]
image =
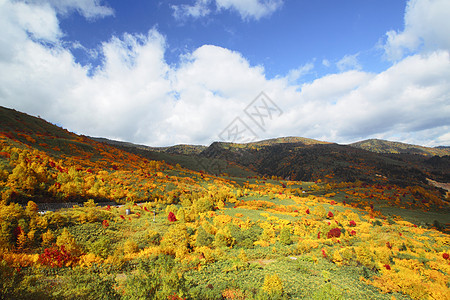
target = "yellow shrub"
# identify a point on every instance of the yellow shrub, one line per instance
(20, 259)
(175, 241)
(304, 246)
(149, 251)
(67, 240)
(47, 238)
(351, 216)
(130, 247)
(89, 259)
(273, 285)
(208, 253)
(383, 254)
(262, 243)
(364, 256)
(319, 212)
(222, 220)
(337, 258)
(401, 280)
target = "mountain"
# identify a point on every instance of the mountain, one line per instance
(182, 149)
(187, 156)
(288, 157)
(333, 162)
(286, 140)
(382, 146)
(306, 159)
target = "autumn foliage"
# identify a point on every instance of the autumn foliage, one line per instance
(217, 228)
(171, 217)
(57, 257)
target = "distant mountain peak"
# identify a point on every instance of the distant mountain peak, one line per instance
(384, 146)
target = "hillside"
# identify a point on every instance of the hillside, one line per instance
(382, 146)
(45, 163)
(182, 234)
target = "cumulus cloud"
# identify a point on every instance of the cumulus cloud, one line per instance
(425, 29)
(90, 9)
(247, 9)
(136, 96)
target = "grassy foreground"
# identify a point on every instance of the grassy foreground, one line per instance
(222, 242)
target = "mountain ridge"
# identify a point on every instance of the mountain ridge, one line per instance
(12, 120)
(288, 157)
(385, 146)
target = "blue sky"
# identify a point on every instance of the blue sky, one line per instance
(169, 72)
(297, 33)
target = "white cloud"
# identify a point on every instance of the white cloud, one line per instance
(295, 74)
(326, 63)
(90, 9)
(247, 9)
(426, 23)
(136, 96)
(199, 9)
(349, 62)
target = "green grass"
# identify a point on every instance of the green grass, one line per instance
(302, 278)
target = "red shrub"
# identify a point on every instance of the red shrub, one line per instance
(171, 217)
(388, 267)
(335, 232)
(56, 257)
(175, 297)
(307, 211)
(105, 223)
(330, 214)
(352, 223)
(445, 256)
